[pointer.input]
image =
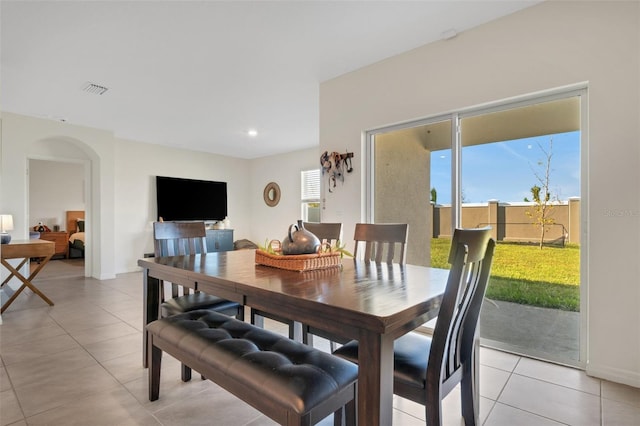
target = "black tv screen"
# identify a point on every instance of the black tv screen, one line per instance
(190, 199)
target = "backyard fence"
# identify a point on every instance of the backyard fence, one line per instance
(510, 221)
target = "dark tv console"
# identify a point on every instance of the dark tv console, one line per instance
(219, 240)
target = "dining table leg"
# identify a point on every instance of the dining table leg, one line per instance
(375, 380)
(151, 289)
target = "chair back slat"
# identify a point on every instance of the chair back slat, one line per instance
(326, 232)
(383, 242)
(179, 239)
(471, 257)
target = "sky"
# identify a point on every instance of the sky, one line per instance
(506, 171)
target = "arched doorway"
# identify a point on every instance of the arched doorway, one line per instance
(60, 155)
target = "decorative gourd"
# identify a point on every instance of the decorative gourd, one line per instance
(300, 241)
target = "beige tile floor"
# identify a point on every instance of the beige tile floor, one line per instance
(80, 363)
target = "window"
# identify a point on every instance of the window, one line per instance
(310, 195)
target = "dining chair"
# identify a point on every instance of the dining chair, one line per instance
(326, 232)
(186, 238)
(382, 242)
(427, 368)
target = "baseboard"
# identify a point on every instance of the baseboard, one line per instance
(106, 277)
(617, 375)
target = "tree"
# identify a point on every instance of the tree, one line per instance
(542, 197)
(434, 196)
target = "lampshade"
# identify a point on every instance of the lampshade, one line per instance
(6, 222)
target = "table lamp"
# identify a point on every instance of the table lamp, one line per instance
(6, 224)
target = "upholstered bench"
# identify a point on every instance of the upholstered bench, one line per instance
(292, 383)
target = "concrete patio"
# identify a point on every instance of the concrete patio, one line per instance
(538, 332)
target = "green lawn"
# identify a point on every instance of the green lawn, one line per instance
(525, 274)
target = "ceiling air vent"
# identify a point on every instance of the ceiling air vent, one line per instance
(93, 88)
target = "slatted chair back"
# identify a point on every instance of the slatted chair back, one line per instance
(326, 232)
(179, 239)
(383, 242)
(426, 368)
(454, 335)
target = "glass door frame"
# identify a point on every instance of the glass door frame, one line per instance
(578, 90)
(369, 137)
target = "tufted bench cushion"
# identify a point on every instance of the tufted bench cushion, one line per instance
(288, 381)
(195, 301)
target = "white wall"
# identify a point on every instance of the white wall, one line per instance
(550, 45)
(54, 188)
(122, 191)
(272, 223)
(137, 165)
(24, 138)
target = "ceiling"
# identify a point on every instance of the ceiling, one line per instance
(200, 74)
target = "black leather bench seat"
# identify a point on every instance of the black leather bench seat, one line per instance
(288, 381)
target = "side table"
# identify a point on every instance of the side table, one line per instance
(25, 249)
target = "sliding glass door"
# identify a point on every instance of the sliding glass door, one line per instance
(407, 161)
(514, 166)
(520, 174)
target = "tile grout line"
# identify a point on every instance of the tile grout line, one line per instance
(496, 402)
(13, 390)
(561, 385)
(119, 383)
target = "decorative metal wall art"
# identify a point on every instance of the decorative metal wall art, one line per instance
(335, 165)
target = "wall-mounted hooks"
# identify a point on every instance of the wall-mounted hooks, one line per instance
(335, 165)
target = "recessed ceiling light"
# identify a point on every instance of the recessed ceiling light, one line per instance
(252, 132)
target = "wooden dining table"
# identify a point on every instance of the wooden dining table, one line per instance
(373, 303)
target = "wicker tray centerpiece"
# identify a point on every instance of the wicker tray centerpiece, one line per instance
(272, 255)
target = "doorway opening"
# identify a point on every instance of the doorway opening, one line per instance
(58, 191)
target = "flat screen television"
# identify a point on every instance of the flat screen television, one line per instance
(190, 199)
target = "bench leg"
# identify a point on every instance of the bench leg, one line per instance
(155, 361)
(345, 416)
(338, 417)
(186, 373)
(240, 314)
(350, 412)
